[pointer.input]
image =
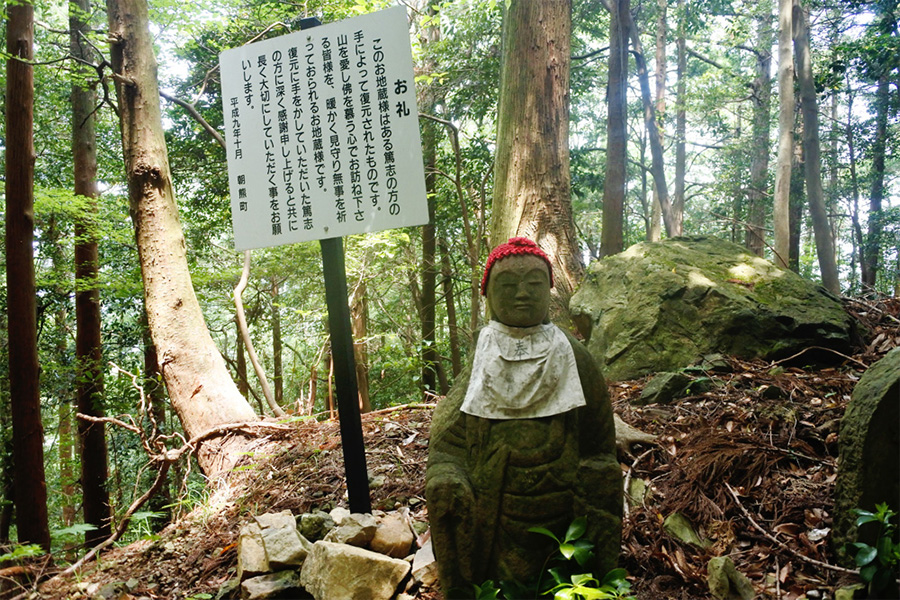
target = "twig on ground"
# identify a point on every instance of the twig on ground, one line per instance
(781, 544)
(634, 464)
(844, 356)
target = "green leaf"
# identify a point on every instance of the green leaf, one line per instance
(614, 577)
(866, 517)
(865, 555)
(576, 529)
(567, 550)
(544, 531)
(76, 529)
(868, 573)
(584, 552)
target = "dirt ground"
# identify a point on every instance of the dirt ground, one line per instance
(750, 462)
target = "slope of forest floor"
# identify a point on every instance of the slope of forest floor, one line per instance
(751, 463)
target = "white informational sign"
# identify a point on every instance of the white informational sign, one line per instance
(322, 133)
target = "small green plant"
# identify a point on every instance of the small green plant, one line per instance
(877, 564)
(22, 551)
(569, 579)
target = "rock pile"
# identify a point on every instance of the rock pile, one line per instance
(331, 556)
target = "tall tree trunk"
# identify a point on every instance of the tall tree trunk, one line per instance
(531, 174)
(796, 202)
(359, 322)
(680, 110)
(872, 246)
(757, 194)
(671, 218)
(241, 360)
(857, 236)
(200, 388)
(653, 231)
(277, 367)
(812, 157)
(67, 477)
(88, 341)
(611, 237)
(28, 431)
(429, 35)
(449, 299)
(781, 207)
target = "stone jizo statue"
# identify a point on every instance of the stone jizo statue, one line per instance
(525, 438)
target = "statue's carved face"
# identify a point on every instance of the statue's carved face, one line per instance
(518, 291)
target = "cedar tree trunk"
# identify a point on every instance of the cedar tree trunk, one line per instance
(200, 387)
(88, 342)
(531, 174)
(30, 489)
(812, 158)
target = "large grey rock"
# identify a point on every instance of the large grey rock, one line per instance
(869, 464)
(342, 572)
(285, 547)
(393, 537)
(663, 306)
(283, 584)
(664, 388)
(356, 529)
(252, 558)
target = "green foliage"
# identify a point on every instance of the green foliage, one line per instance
(22, 551)
(572, 555)
(879, 565)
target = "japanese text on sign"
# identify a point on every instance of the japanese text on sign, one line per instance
(322, 133)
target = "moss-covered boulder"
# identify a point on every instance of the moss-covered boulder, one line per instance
(869, 465)
(663, 306)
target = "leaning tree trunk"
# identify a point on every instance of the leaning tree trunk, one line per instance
(611, 239)
(671, 217)
(871, 252)
(759, 163)
(27, 429)
(678, 199)
(812, 159)
(653, 231)
(200, 388)
(88, 342)
(781, 207)
(531, 175)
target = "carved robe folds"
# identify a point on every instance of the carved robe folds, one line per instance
(489, 480)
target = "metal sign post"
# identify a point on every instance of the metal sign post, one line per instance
(345, 375)
(323, 142)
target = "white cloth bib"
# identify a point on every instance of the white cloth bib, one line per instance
(522, 373)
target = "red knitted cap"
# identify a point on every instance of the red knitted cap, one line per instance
(517, 246)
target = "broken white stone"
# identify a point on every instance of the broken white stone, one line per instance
(342, 572)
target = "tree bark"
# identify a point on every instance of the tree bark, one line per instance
(359, 322)
(531, 174)
(653, 231)
(88, 341)
(812, 158)
(277, 366)
(680, 110)
(757, 194)
(449, 298)
(611, 238)
(27, 429)
(872, 248)
(781, 207)
(671, 218)
(200, 388)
